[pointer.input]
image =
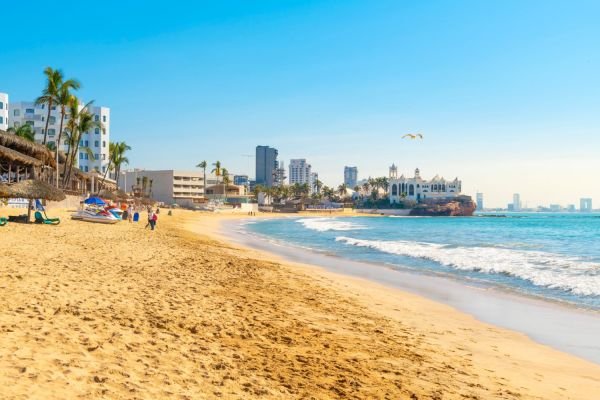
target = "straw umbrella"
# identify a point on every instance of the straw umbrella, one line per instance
(31, 189)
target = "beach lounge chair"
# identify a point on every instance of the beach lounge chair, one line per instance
(39, 219)
(3, 221)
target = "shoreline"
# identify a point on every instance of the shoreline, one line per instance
(223, 229)
(181, 312)
(562, 326)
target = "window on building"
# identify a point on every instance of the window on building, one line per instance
(104, 143)
(87, 144)
(86, 156)
(51, 144)
(29, 111)
(1, 120)
(96, 143)
(86, 168)
(53, 108)
(52, 120)
(17, 113)
(96, 156)
(96, 118)
(1, 105)
(104, 118)
(104, 169)
(81, 143)
(97, 130)
(104, 156)
(51, 132)
(29, 123)
(81, 156)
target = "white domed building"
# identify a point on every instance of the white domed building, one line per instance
(418, 189)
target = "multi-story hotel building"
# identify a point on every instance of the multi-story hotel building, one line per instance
(185, 188)
(419, 189)
(299, 171)
(93, 147)
(3, 111)
(350, 176)
(267, 173)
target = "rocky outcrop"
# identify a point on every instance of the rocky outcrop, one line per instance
(462, 206)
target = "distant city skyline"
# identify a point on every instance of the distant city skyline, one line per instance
(505, 93)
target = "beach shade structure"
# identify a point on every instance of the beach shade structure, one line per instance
(31, 189)
(107, 195)
(121, 195)
(97, 201)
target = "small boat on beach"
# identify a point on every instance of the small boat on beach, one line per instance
(95, 215)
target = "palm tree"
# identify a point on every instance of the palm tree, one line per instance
(317, 185)
(217, 170)
(111, 151)
(50, 95)
(203, 165)
(116, 158)
(304, 190)
(63, 99)
(85, 122)
(119, 159)
(258, 189)
(225, 180)
(342, 190)
(328, 192)
(25, 131)
(366, 186)
(71, 132)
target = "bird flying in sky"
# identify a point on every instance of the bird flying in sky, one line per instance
(413, 136)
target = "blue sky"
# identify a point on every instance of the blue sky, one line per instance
(505, 92)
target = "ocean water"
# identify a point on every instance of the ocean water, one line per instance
(551, 256)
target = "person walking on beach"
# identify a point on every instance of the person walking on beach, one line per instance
(130, 213)
(149, 217)
(153, 220)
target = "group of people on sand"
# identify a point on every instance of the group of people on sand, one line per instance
(152, 215)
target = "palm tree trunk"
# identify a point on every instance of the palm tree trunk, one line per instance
(47, 121)
(60, 132)
(73, 160)
(107, 169)
(66, 163)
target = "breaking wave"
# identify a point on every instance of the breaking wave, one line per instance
(329, 224)
(554, 271)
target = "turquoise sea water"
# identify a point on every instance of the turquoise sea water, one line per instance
(553, 256)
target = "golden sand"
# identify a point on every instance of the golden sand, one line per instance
(119, 312)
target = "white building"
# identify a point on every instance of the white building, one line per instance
(3, 111)
(314, 177)
(516, 202)
(418, 189)
(95, 140)
(479, 201)
(184, 188)
(299, 171)
(585, 205)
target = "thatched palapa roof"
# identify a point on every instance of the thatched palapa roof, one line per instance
(31, 189)
(18, 158)
(28, 148)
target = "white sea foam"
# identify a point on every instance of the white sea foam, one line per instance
(329, 224)
(555, 271)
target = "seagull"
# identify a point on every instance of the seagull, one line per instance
(413, 136)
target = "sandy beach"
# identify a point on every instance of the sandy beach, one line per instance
(119, 312)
